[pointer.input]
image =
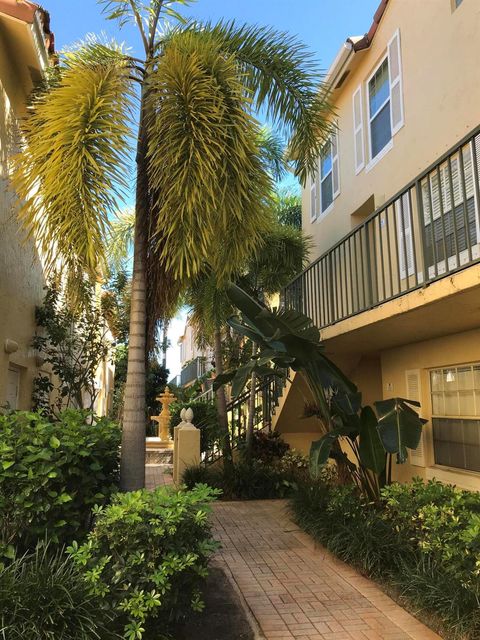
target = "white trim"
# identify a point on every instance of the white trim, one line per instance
(397, 81)
(313, 199)
(388, 147)
(328, 210)
(358, 129)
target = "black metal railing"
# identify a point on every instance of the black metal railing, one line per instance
(428, 230)
(267, 394)
(195, 369)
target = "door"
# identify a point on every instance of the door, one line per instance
(13, 387)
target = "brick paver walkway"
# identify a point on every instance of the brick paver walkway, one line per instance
(296, 590)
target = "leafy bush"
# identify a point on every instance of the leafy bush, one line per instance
(43, 597)
(268, 447)
(424, 539)
(148, 554)
(205, 418)
(52, 474)
(251, 480)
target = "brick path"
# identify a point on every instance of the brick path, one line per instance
(295, 590)
(156, 476)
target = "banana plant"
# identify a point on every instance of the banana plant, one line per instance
(288, 339)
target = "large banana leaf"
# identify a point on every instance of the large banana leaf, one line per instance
(400, 427)
(372, 452)
(320, 449)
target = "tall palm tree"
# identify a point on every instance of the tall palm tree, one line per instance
(189, 103)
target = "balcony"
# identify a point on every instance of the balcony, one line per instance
(195, 369)
(426, 232)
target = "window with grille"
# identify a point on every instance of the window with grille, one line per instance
(455, 393)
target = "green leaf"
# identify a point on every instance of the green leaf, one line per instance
(54, 442)
(223, 378)
(372, 452)
(320, 451)
(6, 464)
(399, 425)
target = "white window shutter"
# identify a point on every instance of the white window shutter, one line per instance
(404, 236)
(412, 377)
(358, 130)
(313, 199)
(396, 89)
(335, 165)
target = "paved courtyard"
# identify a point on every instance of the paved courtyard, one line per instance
(297, 590)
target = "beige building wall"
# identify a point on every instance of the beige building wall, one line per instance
(21, 273)
(441, 97)
(448, 351)
(435, 326)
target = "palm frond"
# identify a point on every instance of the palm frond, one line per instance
(73, 168)
(204, 160)
(273, 152)
(209, 306)
(283, 78)
(284, 254)
(120, 240)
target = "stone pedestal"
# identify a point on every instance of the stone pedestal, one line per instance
(186, 452)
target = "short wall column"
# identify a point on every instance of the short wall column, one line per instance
(186, 447)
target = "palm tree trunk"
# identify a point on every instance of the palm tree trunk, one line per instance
(165, 343)
(222, 406)
(132, 465)
(251, 408)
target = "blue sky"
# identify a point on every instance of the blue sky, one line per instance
(323, 25)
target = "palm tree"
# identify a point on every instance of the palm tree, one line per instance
(189, 103)
(283, 255)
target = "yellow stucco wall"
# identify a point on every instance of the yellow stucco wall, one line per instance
(441, 97)
(21, 273)
(458, 349)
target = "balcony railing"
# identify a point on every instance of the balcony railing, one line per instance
(195, 369)
(425, 232)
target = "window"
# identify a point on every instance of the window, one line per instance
(329, 175)
(455, 395)
(385, 102)
(325, 185)
(379, 107)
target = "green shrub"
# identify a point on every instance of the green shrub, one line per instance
(147, 555)
(250, 480)
(268, 447)
(43, 597)
(205, 418)
(424, 539)
(52, 474)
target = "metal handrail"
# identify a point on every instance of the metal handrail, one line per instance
(267, 393)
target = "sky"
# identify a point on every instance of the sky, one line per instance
(323, 25)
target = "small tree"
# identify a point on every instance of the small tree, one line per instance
(73, 343)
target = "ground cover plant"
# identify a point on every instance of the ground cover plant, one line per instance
(147, 556)
(43, 596)
(423, 540)
(52, 474)
(274, 472)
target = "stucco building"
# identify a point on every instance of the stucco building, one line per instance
(25, 45)
(394, 210)
(26, 50)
